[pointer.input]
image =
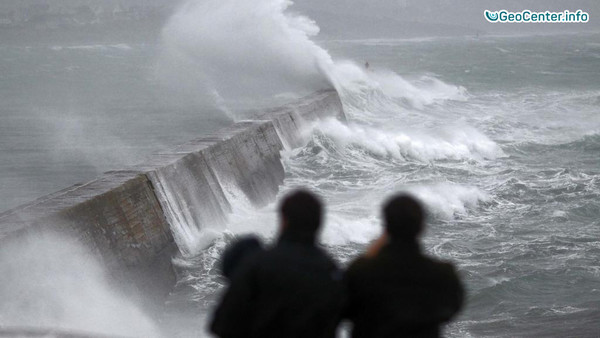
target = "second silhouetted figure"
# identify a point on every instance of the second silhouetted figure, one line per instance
(395, 290)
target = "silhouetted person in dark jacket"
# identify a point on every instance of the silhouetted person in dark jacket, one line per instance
(394, 289)
(291, 290)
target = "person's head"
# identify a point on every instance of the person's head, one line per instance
(403, 218)
(301, 213)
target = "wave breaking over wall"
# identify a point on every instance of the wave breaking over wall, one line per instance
(131, 219)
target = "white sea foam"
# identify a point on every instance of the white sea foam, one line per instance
(446, 200)
(456, 143)
(353, 81)
(340, 229)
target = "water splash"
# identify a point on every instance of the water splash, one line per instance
(451, 143)
(245, 51)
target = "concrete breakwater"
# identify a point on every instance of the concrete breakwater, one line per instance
(133, 220)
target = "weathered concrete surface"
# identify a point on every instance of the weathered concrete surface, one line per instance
(116, 216)
(291, 119)
(128, 218)
(196, 181)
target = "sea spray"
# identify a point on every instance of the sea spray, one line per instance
(234, 54)
(52, 283)
(447, 200)
(359, 86)
(450, 143)
(242, 52)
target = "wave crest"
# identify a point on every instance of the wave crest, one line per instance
(373, 89)
(455, 143)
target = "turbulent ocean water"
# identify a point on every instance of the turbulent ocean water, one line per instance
(498, 136)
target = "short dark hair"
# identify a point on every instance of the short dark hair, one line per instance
(302, 211)
(404, 217)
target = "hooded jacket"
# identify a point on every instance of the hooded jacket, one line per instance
(292, 290)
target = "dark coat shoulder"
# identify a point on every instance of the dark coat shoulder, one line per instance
(291, 290)
(401, 292)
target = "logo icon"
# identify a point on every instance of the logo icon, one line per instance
(491, 16)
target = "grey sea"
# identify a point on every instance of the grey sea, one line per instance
(498, 135)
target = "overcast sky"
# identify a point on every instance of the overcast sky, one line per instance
(389, 18)
(465, 13)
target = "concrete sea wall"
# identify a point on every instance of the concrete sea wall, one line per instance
(134, 220)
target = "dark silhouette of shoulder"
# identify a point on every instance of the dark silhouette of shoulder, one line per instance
(401, 292)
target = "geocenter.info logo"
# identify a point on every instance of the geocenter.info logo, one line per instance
(527, 16)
